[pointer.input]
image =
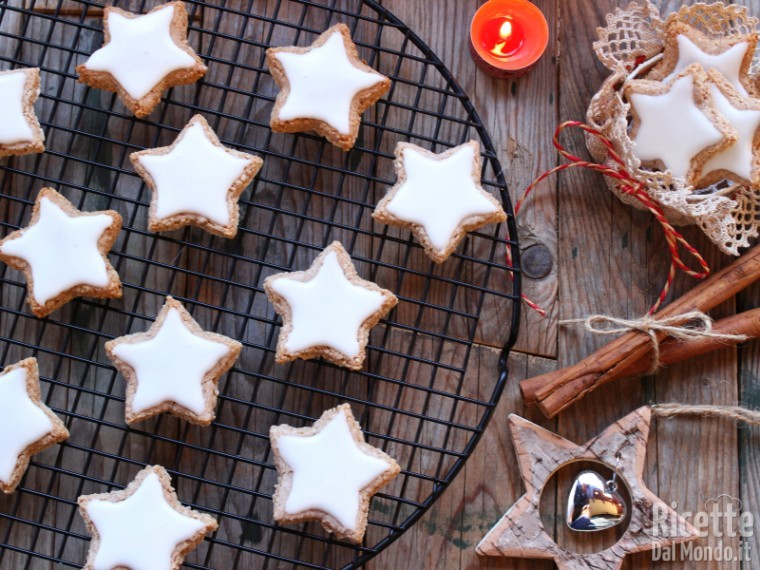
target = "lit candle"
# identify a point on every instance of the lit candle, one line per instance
(507, 37)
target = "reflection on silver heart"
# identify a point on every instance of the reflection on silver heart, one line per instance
(594, 504)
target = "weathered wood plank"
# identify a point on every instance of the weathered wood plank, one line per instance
(523, 144)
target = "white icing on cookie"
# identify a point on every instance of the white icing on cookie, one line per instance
(170, 366)
(14, 128)
(739, 157)
(22, 422)
(439, 195)
(672, 128)
(323, 83)
(729, 63)
(195, 177)
(141, 51)
(328, 310)
(61, 250)
(329, 471)
(140, 532)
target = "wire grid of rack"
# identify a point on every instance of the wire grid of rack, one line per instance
(414, 398)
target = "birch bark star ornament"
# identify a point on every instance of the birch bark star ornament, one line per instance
(142, 56)
(196, 181)
(328, 473)
(27, 426)
(63, 253)
(439, 197)
(541, 453)
(143, 527)
(324, 87)
(173, 367)
(20, 131)
(327, 310)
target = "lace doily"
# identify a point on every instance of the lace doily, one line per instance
(728, 213)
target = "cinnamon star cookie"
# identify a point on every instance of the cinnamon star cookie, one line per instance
(63, 253)
(328, 473)
(676, 126)
(143, 55)
(740, 162)
(196, 181)
(730, 55)
(20, 131)
(439, 197)
(27, 426)
(324, 87)
(327, 310)
(173, 367)
(143, 527)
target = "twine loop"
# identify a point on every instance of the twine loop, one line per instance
(701, 327)
(735, 413)
(616, 169)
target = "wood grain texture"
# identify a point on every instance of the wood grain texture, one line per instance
(610, 259)
(607, 258)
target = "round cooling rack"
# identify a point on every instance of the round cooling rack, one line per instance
(421, 397)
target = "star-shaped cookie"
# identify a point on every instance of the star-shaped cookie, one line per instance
(541, 453)
(142, 527)
(142, 56)
(63, 253)
(324, 87)
(196, 181)
(676, 126)
(328, 473)
(741, 161)
(173, 367)
(327, 310)
(20, 131)
(731, 56)
(439, 197)
(27, 426)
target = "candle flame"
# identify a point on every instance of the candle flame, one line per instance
(505, 32)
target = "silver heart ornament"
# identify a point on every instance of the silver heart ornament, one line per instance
(594, 504)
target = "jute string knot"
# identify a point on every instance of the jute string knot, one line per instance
(700, 327)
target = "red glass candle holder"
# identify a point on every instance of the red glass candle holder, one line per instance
(508, 37)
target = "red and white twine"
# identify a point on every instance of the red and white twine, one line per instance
(631, 186)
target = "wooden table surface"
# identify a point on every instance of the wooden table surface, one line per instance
(606, 258)
(589, 253)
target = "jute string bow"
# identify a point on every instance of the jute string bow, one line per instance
(701, 327)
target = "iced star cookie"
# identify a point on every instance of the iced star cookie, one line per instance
(20, 131)
(27, 426)
(676, 126)
(173, 367)
(196, 181)
(142, 56)
(439, 197)
(142, 527)
(324, 87)
(327, 310)
(328, 473)
(740, 162)
(63, 253)
(731, 56)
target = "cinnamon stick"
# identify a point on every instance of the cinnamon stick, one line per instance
(557, 390)
(671, 351)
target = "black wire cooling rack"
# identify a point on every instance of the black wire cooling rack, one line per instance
(420, 396)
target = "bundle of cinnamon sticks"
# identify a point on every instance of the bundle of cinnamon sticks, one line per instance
(631, 353)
